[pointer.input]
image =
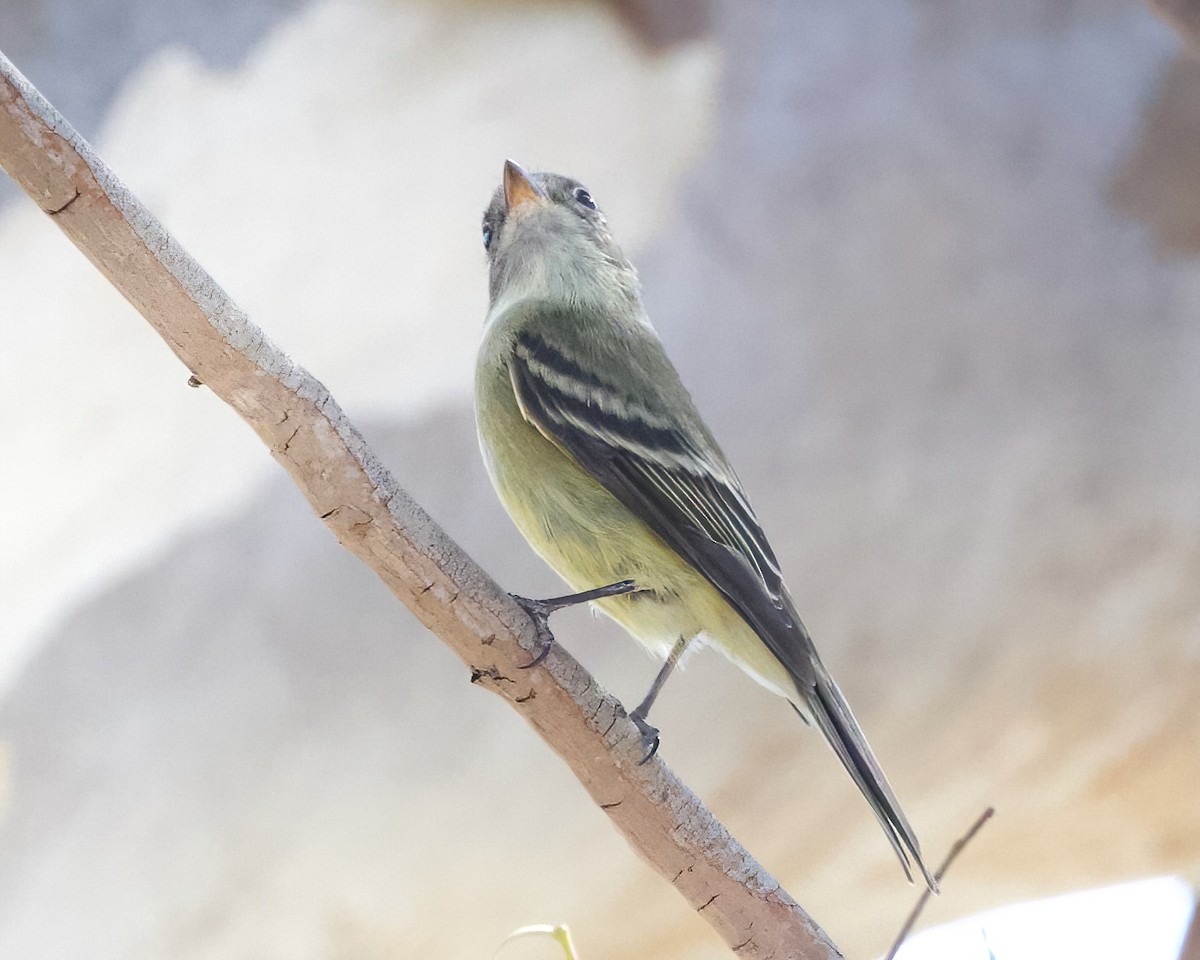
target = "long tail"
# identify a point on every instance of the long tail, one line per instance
(832, 715)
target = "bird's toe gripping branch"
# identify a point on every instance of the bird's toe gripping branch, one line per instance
(650, 739)
(539, 612)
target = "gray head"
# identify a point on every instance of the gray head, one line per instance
(546, 240)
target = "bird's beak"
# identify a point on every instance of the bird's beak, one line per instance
(519, 188)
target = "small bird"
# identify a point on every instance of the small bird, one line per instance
(600, 457)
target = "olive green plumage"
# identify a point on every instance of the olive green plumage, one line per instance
(603, 462)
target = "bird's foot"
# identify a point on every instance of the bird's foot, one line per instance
(649, 734)
(539, 611)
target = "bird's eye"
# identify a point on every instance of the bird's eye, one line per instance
(584, 198)
(487, 237)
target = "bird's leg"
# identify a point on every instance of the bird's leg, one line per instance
(539, 611)
(648, 732)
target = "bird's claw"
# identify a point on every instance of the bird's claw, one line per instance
(539, 612)
(649, 734)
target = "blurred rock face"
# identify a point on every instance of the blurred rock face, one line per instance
(1160, 185)
(958, 382)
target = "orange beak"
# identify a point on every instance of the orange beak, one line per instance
(519, 188)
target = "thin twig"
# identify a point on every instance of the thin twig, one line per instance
(923, 899)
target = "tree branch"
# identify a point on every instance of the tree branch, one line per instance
(376, 520)
(923, 899)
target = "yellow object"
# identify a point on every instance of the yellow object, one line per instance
(559, 933)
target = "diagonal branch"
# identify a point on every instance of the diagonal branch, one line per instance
(378, 522)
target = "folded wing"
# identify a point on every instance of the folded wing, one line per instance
(659, 460)
(669, 475)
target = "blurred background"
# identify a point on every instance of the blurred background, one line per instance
(930, 267)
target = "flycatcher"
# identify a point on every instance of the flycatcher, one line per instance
(601, 458)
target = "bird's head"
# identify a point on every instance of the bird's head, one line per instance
(547, 240)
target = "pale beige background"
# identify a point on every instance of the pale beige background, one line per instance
(920, 262)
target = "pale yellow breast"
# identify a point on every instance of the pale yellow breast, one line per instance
(590, 539)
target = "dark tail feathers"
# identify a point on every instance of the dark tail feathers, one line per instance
(832, 715)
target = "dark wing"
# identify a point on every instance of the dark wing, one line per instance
(669, 474)
(662, 464)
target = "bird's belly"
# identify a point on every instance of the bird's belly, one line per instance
(591, 539)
